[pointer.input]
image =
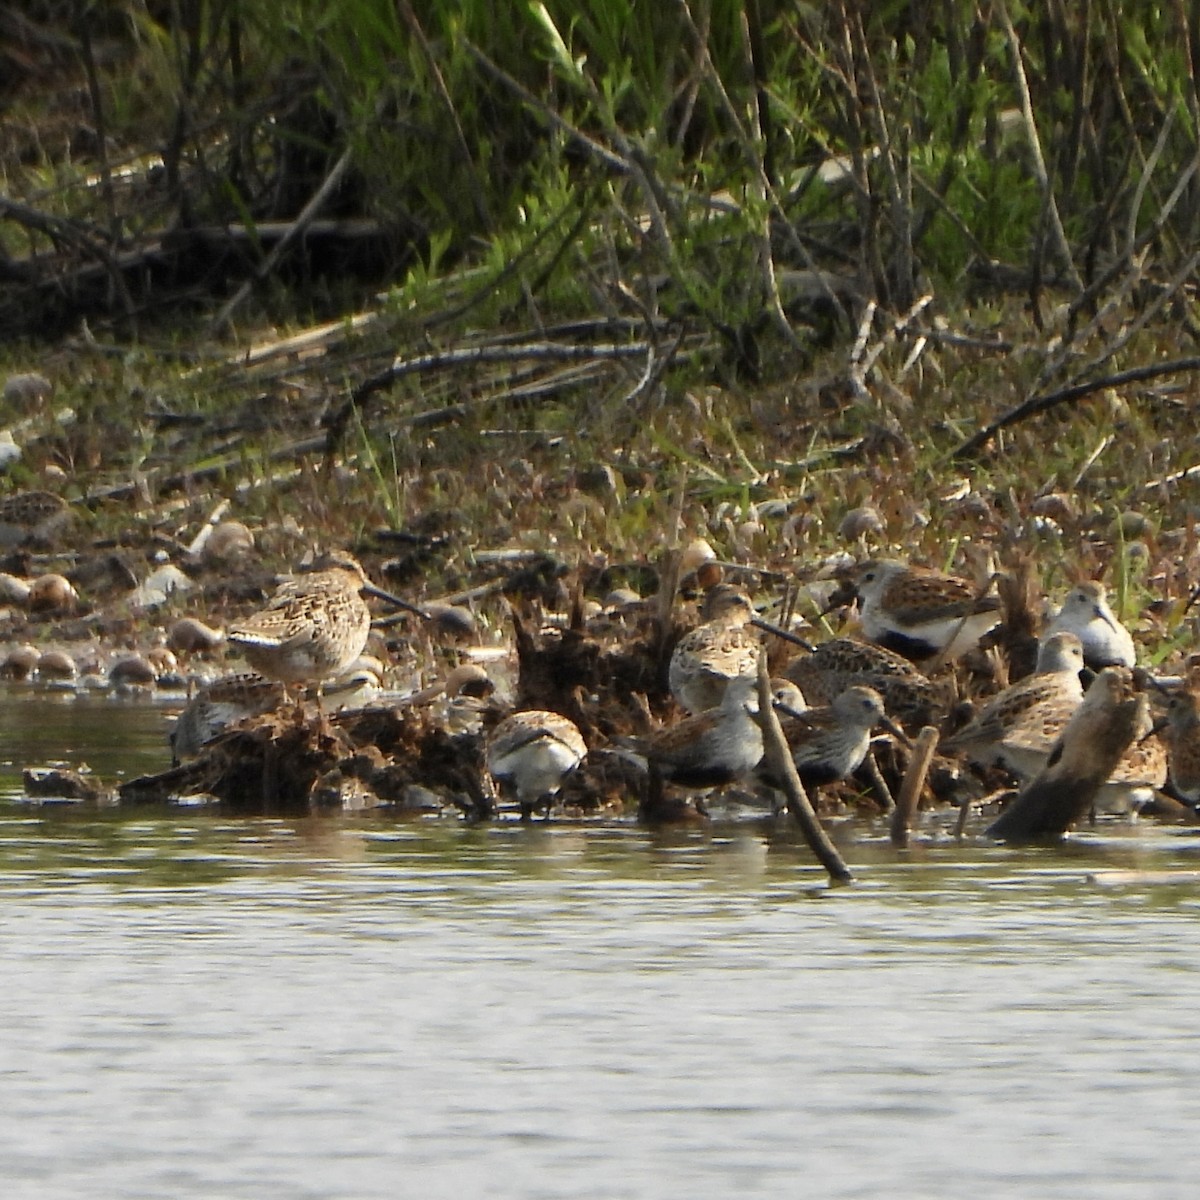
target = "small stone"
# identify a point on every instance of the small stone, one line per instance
(20, 662)
(13, 590)
(228, 541)
(27, 390)
(190, 636)
(155, 589)
(452, 620)
(697, 553)
(50, 594)
(132, 671)
(861, 522)
(56, 664)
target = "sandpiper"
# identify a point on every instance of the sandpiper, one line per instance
(921, 613)
(530, 753)
(217, 706)
(31, 517)
(1013, 728)
(908, 696)
(720, 649)
(1182, 725)
(831, 742)
(1086, 613)
(710, 748)
(314, 626)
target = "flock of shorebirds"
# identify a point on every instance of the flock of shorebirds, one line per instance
(832, 699)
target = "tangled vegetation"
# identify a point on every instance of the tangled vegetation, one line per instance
(595, 276)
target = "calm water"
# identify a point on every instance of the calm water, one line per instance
(197, 1007)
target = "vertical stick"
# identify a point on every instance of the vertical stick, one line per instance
(784, 769)
(914, 781)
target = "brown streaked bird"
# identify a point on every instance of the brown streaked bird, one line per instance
(217, 706)
(315, 625)
(711, 748)
(1087, 614)
(31, 517)
(908, 696)
(1012, 728)
(921, 613)
(721, 648)
(829, 743)
(530, 753)
(1141, 771)
(1028, 744)
(1182, 731)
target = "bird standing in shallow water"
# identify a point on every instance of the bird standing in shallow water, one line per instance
(1010, 730)
(217, 706)
(531, 752)
(1182, 724)
(921, 613)
(842, 662)
(314, 626)
(1087, 614)
(718, 650)
(830, 743)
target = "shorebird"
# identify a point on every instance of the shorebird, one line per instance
(31, 517)
(1086, 613)
(921, 613)
(715, 747)
(831, 742)
(530, 753)
(314, 626)
(217, 706)
(720, 649)
(1014, 728)
(908, 696)
(1182, 727)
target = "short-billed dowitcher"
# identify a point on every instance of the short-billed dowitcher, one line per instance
(921, 613)
(314, 626)
(531, 752)
(719, 649)
(1010, 730)
(217, 706)
(834, 666)
(1087, 614)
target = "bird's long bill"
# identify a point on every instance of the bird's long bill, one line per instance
(896, 732)
(779, 632)
(371, 590)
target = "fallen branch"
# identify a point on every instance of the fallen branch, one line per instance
(471, 356)
(1082, 759)
(910, 789)
(1041, 404)
(783, 769)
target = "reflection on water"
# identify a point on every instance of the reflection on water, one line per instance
(360, 1007)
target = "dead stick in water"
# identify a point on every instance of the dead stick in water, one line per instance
(914, 781)
(779, 758)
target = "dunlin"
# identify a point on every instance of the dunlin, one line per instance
(530, 753)
(921, 613)
(831, 742)
(1086, 613)
(710, 748)
(721, 648)
(834, 666)
(314, 626)
(217, 706)
(1016, 727)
